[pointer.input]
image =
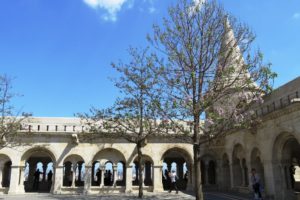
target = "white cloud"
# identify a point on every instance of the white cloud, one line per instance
(296, 15)
(152, 9)
(112, 7)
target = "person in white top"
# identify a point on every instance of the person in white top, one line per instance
(173, 178)
(256, 184)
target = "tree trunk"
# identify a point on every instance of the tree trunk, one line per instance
(141, 168)
(197, 162)
(197, 169)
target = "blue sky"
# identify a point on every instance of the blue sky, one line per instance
(59, 51)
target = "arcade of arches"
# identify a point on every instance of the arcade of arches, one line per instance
(56, 157)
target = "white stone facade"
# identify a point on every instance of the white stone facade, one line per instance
(60, 141)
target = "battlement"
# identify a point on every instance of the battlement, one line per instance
(53, 124)
(281, 97)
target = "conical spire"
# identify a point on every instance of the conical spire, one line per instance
(230, 57)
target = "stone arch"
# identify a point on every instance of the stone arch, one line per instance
(109, 154)
(183, 161)
(209, 169)
(257, 164)
(239, 166)
(38, 150)
(38, 169)
(5, 167)
(180, 150)
(147, 167)
(116, 174)
(286, 156)
(73, 171)
(73, 158)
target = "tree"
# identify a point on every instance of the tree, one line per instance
(209, 71)
(10, 122)
(133, 117)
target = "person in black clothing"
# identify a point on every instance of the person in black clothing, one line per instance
(36, 180)
(109, 176)
(98, 175)
(106, 177)
(167, 179)
(50, 174)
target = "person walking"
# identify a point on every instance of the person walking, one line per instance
(256, 185)
(173, 177)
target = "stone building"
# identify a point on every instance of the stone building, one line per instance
(273, 150)
(81, 163)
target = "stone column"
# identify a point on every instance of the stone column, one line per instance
(74, 166)
(87, 179)
(270, 181)
(128, 179)
(231, 174)
(206, 163)
(189, 186)
(15, 187)
(57, 178)
(115, 175)
(180, 170)
(102, 168)
(44, 171)
(157, 181)
(22, 175)
(243, 173)
(1, 171)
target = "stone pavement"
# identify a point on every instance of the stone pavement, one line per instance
(148, 196)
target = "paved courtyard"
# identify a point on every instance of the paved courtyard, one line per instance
(157, 196)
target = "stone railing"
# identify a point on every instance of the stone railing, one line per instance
(271, 106)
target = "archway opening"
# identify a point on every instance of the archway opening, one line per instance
(226, 182)
(240, 169)
(208, 171)
(147, 171)
(291, 163)
(178, 161)
(96, 174)
(108, 168)
(286, 159)
(211, 173)
(5, 173)
(73, 171)
(257, 164)
(39, 171)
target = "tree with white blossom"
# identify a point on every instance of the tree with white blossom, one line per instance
(210, 73)
(134, 116)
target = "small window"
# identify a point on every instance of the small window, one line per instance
(74, 128)
(38, 127)
(65, 128)
(56, 128)
(47, 127)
